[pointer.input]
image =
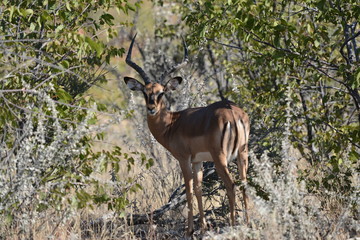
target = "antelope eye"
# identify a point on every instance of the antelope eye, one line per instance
(160, 96)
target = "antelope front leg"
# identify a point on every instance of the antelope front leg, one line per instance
(198, 177)
(188, 178)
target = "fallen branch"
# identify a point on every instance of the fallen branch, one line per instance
(177, 199)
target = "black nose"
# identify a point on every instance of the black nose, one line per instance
(151, 111)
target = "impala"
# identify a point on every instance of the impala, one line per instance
(218, 133)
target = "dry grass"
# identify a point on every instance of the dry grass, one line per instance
(290, 213)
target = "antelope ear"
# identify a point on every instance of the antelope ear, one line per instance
(173, 83)
(134, 84)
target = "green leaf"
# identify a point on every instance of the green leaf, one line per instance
(277, 39)
(321, 4)
(65, 64)
(32, 26)
(108, 18)
(316, 43)
(92, 121)
(11, 12)
(150, 163)
(26, 12)
(68, 7)
(95, 46)
(356, 83)
(279, 54)
(354, 156)
(250, 22)
(131, 7)
(63, 95)
(59, 28)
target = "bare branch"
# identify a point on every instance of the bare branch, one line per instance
(258, 39)
(224, 44)
(48, 116)
(25, 40)
(212, 60)
(345, 44)
(320, 70)
(17, 90)
(178, 66)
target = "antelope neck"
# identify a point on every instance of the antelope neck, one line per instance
(160, 125)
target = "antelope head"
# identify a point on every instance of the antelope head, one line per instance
(154, 91)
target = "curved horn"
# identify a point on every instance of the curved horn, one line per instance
(134, 65)
(180, 65)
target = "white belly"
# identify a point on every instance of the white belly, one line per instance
(202, 157)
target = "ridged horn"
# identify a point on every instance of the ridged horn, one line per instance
(134, 65)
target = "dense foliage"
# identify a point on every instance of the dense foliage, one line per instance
(51, 52)
(309, 47)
